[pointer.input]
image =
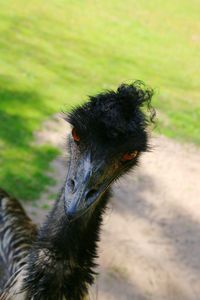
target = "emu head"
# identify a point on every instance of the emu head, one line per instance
(108, 135)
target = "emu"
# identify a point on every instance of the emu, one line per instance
(57, 261)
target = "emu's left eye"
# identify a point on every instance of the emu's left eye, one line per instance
(129, 156)
(75, 135)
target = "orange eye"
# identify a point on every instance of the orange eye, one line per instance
(75, 135)
(129, 156)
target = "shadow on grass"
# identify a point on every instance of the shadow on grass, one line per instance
(14, 130)
(23, 164)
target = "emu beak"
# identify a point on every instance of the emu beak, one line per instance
(84, 186)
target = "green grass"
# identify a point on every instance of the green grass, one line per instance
(53, 53)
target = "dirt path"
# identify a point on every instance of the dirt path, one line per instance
(150, 245)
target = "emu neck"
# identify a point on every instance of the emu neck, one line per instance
(64, 237)
(62, 260)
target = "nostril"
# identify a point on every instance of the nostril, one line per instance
(71, 184)
(91, 194)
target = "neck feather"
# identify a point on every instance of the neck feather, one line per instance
(61, 262)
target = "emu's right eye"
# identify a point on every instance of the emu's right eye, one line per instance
(75, 135)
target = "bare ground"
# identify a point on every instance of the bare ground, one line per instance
(150, 242)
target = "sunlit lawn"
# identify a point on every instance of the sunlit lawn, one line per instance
(54, 53)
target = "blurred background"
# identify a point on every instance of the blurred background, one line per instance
(52, 55)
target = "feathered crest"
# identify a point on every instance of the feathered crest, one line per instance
(134, 96)
(117, 113)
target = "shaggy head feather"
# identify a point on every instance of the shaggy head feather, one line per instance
(116, 117)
